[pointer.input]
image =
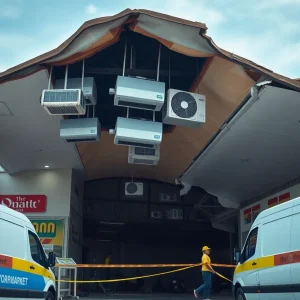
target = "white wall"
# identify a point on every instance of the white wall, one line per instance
(244, 228)
(55, 184)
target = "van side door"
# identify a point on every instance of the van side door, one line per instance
(295, 248)
(247, 270)
(275, 272)
(14, 279)
(38, 266)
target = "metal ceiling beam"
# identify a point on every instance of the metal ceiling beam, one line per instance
(135, 72)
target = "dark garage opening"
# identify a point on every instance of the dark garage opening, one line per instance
(123, 226)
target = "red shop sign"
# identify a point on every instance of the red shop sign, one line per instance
(25, 203)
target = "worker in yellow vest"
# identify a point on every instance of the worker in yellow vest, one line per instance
(207, 272)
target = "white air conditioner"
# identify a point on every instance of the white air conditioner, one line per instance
(144, 156)
(184, 109)
(167, 197)
(140, 133)
(63, 102)
(175, 214)
(134, 189)
(80, 130)
(89, 88)
(139, 93)
(157, 215)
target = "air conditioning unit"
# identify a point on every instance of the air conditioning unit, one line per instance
(63, 102)
(140, 133)
(144, 156)
(134, 189)
(157, 215)
(175, 214)
(139, 93)
(167, 197)
(184, 109)
(80, 130)
(89, 88)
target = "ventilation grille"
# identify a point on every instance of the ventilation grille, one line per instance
(144, 151)
(143, 161)
(184, 105)
(62, 96)
(135, 144)
(137, 105)
(81, 140)
(62, 110)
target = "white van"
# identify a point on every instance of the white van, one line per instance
(269, 264)
(24, 267)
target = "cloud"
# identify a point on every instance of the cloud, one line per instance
(91, 9)
(266, 33)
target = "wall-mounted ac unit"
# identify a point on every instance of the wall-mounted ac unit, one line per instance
(157, 215)
(140, 133)
(89, 87)
(63, 102)
(139, 93)
(167, 197)
(144, 156)
(184, 109)
(134, 189)
(80, 130)
(175, 214)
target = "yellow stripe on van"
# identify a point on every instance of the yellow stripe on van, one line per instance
(269, 261)
(23, 265)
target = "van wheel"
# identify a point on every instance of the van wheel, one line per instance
(49, 296)
(240, 295)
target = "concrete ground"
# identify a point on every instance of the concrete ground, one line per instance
(222, 296)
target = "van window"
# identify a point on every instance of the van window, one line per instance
(295, 240)
(276, 236)
(250, 246)
(12, 239)
(36, 249)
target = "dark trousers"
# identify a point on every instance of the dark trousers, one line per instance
(205, 288)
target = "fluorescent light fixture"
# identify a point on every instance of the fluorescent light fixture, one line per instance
(2, 170)
(47, 167)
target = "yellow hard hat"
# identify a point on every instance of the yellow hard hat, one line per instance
(205, 248)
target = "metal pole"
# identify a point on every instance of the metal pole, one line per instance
(66, 77)
(124, 61)
(131, 57)
(50, 77)
(169, 71)
(158, 62)
(82, 78)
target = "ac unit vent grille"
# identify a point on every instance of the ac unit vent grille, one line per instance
(62, 110)
(135, 144)
(144, 151)
(61, 96)
(143, 161)
(184, 105)
(137, 105)
(81, 140)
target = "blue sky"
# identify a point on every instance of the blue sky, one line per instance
(265, 31)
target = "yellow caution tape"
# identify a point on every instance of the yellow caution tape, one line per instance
(141, 266)
(220, 275)
(139, 277)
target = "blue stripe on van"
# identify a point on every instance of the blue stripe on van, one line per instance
(15, 279)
